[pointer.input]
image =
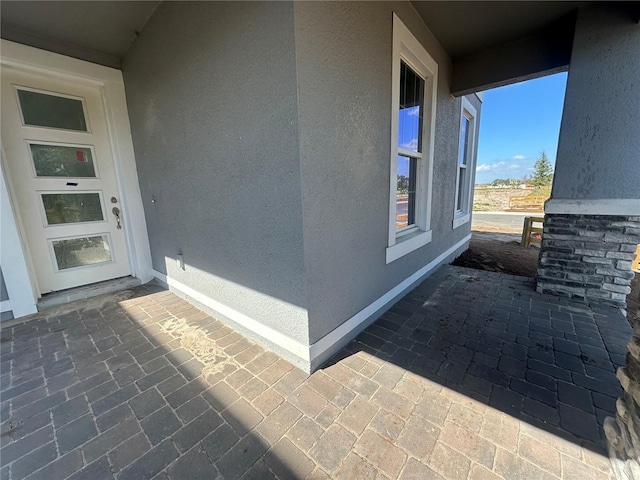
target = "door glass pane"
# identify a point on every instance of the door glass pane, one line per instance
(79, 252)
(43, 110)
(72, 207)
(406, 192)
(62, 161)
(411, 109)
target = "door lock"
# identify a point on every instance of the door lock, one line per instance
(116, 212)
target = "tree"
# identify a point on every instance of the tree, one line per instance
(403, 184)
(505, 182)
(542, 171)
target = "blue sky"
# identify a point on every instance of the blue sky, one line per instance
(517, 123)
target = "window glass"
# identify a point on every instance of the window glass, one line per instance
(464, 139)
(43, 110)
(72, 207)
(461, 187)
(466, 163)
(62, 161)
(79, 252)
(414, 84)
(406, 192)
(411, 109)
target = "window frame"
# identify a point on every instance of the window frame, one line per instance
(463, 215)
(406, 48)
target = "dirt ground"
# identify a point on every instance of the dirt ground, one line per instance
(501, 252)
(495, 199)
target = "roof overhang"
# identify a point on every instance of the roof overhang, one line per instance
(99, 32)
(490, 43)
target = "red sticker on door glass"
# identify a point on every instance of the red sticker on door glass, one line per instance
(80, 157)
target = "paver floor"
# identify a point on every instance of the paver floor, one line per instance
(471, 376)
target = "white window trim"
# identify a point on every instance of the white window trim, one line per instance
(407, 48)
(460, 217)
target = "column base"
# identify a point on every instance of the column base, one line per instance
(588, 257)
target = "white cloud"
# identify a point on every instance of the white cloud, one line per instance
(519, 157)
(412, 145)
(486, 167)
(487, 172)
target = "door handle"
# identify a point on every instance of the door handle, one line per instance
(116, 212)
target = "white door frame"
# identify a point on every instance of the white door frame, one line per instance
(23, 293)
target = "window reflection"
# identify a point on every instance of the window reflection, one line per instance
(53, 111)
(62, 161)
(406, 192)
(72, 207)
(461, 186)
(411, 109)
(80, 252)
(464, 136)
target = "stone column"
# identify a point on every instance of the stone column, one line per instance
(588, 257)
(623, 431)
(592, 221)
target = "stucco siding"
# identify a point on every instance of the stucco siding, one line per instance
(3, 288)
(4, 297)
(598, 145)
(262, 138)
(343, 55)
(211, 90)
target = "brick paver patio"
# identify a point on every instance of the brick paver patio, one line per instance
(472, 375)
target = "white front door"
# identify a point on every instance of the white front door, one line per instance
(60, 164)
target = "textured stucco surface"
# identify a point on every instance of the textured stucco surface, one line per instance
(211, 89)
(343, 55)
(263, 133)
(4, 296)
(3, 288)
(598, 146)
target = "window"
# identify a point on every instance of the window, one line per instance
(466, 164)
(41, 109)
(414, 80)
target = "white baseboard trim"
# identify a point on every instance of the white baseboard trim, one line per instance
(364, 317)
(293, 346)
(601, 206)
(310, 354)
(5, 306)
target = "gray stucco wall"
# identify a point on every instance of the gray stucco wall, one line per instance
(343, 54)
(3, 288)
(3, 297)
(211, 90)
(598, 145)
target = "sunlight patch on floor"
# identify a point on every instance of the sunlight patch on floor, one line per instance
(194, 340)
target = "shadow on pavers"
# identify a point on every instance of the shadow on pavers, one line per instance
(136, 384)
(545, 360)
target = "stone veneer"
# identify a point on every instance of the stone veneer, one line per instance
(623, 431)
(588, 257)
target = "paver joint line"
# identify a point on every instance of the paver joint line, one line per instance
(472, 374)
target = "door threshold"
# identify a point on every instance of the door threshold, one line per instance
(55, 299)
